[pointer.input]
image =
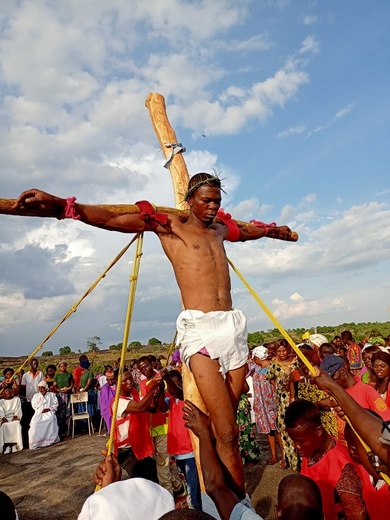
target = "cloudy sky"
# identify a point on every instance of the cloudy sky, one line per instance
(288, 100)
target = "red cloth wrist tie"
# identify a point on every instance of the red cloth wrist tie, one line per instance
(233, 229)
(267, 227)
(70, 210)
(147, 213)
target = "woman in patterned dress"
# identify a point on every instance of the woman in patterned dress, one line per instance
(279, 374)
(264, 402)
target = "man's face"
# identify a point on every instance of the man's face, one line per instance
(34, 365)
(205, 203)
(110, 378)
(326, 351)
(50, 372)
(127, 383)
(306, 438)
(8, 393)
(42, 390)
(146, 369)
(339, 377)
(63, 367)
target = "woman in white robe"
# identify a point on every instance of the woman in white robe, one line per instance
(10, 428)
(43, 427)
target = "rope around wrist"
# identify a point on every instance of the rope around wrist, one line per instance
(70, 210)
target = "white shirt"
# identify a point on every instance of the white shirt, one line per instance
(31, 383)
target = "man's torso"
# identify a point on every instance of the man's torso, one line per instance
(199, 261)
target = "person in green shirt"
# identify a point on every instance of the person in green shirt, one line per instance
(63, 384)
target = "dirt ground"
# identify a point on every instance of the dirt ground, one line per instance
(53, 482)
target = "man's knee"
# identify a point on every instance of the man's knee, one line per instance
(228, 436)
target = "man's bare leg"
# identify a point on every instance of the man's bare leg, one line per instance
(221, 399)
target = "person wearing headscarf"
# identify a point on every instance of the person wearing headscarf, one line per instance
(264, 401)
(316, 340)
(43, 427)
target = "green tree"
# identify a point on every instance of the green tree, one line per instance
(135, 344)
(93, 344)
(47, 353)
(255, 338)
(65, 350)
(154, 341)
(115, 347)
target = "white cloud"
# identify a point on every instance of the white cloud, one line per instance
(339, 115)
(310, 45)
(310, 20)
(295, 130)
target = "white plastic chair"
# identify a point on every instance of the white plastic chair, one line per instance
(75, 400)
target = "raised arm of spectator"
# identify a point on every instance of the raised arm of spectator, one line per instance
(367, 426)
(223, 497)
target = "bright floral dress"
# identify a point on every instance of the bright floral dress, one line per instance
(281, 374)
(249, 449)
(264, 399)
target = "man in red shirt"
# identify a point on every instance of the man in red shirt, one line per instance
(325, 461)
(363, 394)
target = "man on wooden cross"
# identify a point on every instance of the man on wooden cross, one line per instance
(212, 335)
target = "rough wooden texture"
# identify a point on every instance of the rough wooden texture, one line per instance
(6, 208)
(155, 103)
(179, 174)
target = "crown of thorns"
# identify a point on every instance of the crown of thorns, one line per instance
(204, 182)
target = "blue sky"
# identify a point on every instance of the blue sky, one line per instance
(288, 100)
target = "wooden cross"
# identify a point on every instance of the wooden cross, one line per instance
(178, 169)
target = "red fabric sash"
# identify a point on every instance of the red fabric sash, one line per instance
(233, 229)
(150, 215)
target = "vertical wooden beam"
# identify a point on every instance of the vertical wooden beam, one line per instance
(179, 174)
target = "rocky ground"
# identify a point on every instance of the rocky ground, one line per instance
(53, 482)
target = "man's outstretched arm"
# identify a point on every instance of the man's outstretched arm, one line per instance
(53, 206)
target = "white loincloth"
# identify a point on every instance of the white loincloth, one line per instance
(222, 333)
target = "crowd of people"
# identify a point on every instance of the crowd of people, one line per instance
(301, 417)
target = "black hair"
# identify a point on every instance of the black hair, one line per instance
(199, 180)
(7, 507)
(301, 411)
(186, 514)
(299, 498)
(51, 366)
(8, 369)
(176, 373)
(143, 358)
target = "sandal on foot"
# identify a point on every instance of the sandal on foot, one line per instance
(283, 464)
(271, 462)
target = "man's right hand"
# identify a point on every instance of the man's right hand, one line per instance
(38, 199)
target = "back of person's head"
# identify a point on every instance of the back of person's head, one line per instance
(303, 412)
(186, 514)
(176, 373)
(7, 507)
(299, 498)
